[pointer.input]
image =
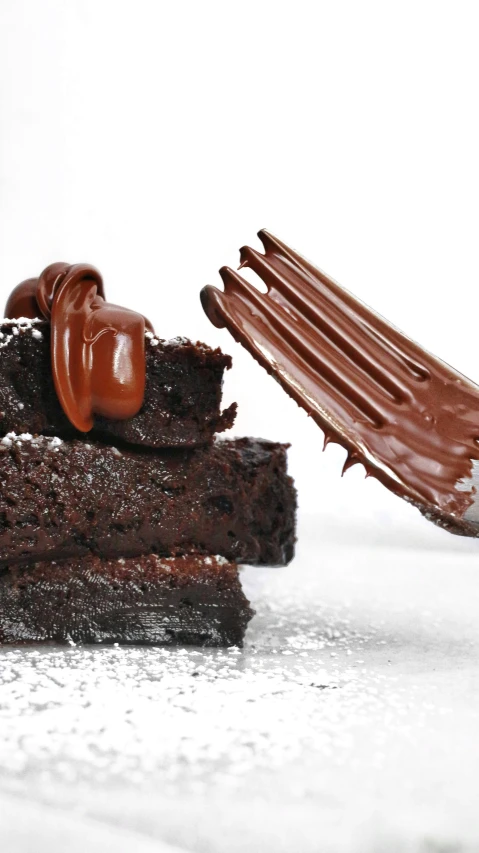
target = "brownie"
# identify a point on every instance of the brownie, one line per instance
(182, 400)
(145, 600)
(66, 499)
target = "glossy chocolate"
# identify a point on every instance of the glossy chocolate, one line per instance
(410, 419)
(97, 349)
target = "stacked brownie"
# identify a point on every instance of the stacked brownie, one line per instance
(131, 532)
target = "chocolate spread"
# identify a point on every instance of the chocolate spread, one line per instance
(409, 418)
(97, 349)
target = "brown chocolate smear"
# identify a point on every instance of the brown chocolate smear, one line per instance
(409, 418)
(97, 349)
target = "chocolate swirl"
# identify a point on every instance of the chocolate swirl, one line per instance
(97, 349)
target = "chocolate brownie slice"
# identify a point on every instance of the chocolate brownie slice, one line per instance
(66, 499)
(144, 600)
(182, 400)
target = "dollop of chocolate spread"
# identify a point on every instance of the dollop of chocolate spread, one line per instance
(409, 418)
(97, 348)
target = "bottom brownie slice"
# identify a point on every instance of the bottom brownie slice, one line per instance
(151, 600)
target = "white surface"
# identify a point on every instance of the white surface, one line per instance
(348, 723)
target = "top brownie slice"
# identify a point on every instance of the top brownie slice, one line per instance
(182, 400)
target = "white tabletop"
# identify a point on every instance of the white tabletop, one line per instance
(349, 722)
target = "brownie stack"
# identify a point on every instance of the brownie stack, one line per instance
(132, 533)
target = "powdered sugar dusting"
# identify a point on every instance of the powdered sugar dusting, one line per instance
(178, 341)
(347, 723)
(184, 715)
(17, 326)
(21, 322)
(54, 442)
(94, 715)
(38, 440)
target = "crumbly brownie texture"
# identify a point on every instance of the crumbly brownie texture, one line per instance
(66, 499)
(147, 600)
(182, 396)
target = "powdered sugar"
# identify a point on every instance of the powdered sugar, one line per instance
(52, 443)
(24, 323)
(12, 438)
(93, 714)
(17, 326)
(276, 747)
(153, 339)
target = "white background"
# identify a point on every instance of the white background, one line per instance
(153, 139)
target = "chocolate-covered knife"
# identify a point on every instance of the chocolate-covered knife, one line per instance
(409, 418)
